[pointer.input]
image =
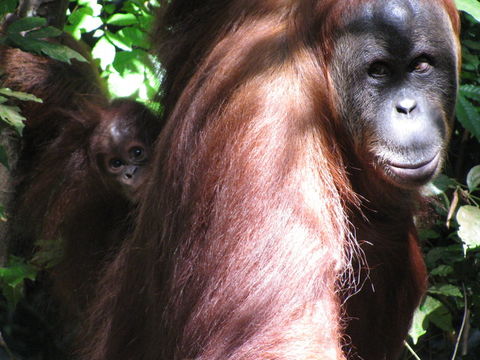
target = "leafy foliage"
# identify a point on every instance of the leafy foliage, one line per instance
(10, 114)
(12, 277)
(30, 34)
(118, 33)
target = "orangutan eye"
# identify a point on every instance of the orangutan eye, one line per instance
(378, 69)
(116, 163)
(421, 65)
(137, 152)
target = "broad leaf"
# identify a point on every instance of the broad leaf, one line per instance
(122, 19)
(20, 95)
(446, 290)
(473, 178)
(26, 24)
(12, 278)
(468, 218)
(104, 51)
(46, 32)
(469, 6)
(420, 319)
(11, 115)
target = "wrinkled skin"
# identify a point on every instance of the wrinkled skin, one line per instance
(395, 65)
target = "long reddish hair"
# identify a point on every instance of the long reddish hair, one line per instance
(244, 243)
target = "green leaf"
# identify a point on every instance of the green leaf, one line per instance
(468, 218)
(137, 38)
(442, 270)
(128, 62)
(420, 318)
(442, 318)
(84, 19)
(104, 51)
(61, 52)
(471, 44)
(46, 32)
(445, 289)
(468, 115)
(109, 8)
(53, 50)
(469, 6)
(119, 41)
(439, 185)
(12, 278)
(11, 115)
(26, 24)
(444, 254)
(428, 234)
(470, 91)
(473, 178)
(7, 6)
(20, 95)
(122, 19)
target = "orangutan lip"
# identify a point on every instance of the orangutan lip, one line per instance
(416, 173)
(417, 165)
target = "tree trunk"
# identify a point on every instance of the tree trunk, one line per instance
(53, 10)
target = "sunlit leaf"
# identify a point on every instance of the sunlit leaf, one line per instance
(127, 62)
(11, 115)
(20, 95)
(468, 218)
(137, 38)
(119, 41)
(104, 51)
(126, 86)
(85, 19)
(122, 19)
(420, 319)
(469, 6)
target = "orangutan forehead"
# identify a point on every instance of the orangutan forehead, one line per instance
(399, 16)
(400, 27)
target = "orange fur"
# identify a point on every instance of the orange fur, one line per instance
(255, 229)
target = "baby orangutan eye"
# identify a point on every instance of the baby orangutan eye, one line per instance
(116, 163)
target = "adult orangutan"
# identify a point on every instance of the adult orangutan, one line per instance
(83, 188)
(82, 163)
(278, 220)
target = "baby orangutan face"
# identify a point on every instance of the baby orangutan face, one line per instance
(122, 147)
